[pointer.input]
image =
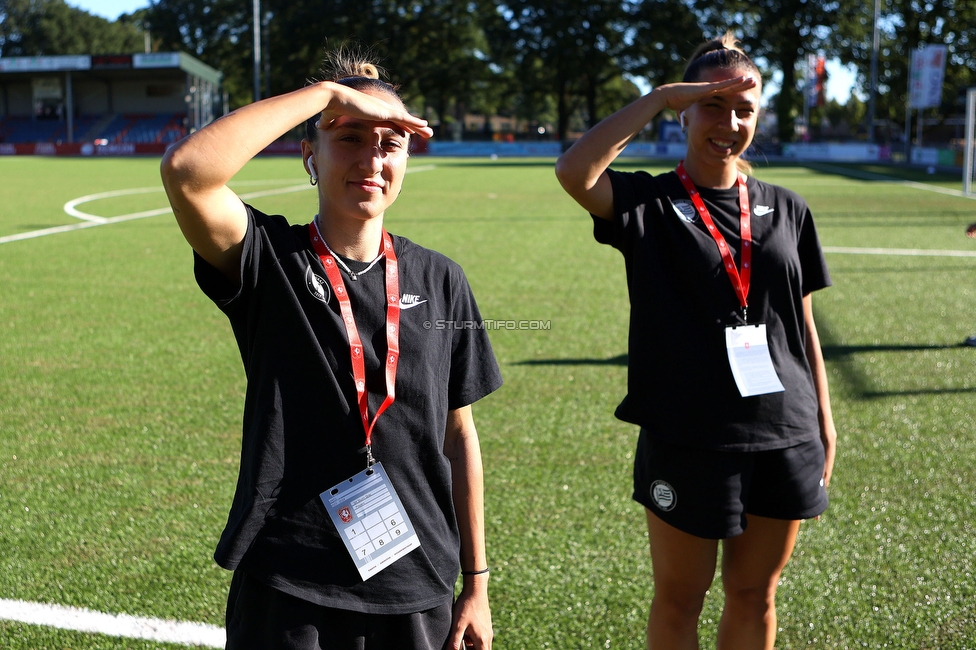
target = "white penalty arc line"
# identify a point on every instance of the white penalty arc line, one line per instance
(92, 220)
(118, 625)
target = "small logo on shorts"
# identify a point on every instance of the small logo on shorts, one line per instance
(663, 495)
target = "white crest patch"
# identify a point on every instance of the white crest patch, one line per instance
(317, 286)
(663, 495)
(685, 209)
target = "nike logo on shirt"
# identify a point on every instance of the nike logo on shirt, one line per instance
(409, 301)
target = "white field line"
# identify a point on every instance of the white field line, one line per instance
(909, 252)
(117, 625)
(870, 176)
(91, 220)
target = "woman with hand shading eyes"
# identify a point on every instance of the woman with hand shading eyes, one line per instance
(360, 492)
(726, 377)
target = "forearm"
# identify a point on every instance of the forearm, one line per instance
(818, 369)
(472, 613)
(210, 157)
(469, 503)
(195, 171)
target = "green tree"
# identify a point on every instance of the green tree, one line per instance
(655, 50)
(568, 50)
(435, 50)
(452, 64)
(51, 27)
(218, 32)
(904, 26)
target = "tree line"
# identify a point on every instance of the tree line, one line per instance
(568, 63)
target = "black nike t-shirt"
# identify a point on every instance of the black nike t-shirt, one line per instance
(302, 432)
(680, 385)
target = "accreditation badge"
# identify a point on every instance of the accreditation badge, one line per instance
(371, 520)
(752, 367)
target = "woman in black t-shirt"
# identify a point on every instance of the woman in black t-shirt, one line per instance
(726, 376)
(318, 312)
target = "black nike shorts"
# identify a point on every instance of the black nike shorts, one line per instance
(709, 493)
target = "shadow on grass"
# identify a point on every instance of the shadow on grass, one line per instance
(833, 352)
(842, 355)
(619, 360)
(859, 384)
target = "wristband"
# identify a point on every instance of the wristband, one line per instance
(475, 573)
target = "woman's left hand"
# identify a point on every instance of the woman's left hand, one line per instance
(471, 627)
(828, 434)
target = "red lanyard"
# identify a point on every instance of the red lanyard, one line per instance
(352, 332)
(740, 279)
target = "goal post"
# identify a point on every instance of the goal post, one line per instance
(967, 166)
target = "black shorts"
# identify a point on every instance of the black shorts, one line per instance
(708, 493)
(260, 617)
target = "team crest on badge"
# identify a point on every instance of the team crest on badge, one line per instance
(663, 495)
(685, 209)
(345, 514)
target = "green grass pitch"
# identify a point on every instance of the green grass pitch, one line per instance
(121, 392)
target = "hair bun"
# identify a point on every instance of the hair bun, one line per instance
(369, 70)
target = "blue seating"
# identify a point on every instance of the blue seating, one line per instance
(126, 128)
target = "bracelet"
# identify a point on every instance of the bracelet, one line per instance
(475, 573)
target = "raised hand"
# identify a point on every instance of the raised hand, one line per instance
(378, 107)
(679, 96)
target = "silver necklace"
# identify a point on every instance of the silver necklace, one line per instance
(353, 275)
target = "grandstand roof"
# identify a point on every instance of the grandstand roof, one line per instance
(176, 61)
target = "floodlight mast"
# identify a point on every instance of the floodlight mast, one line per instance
(257, 50)
(874, 71)
(967, 178)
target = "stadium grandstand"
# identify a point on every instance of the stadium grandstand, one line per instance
(104, 104)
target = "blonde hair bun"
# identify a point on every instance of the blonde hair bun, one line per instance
(369, 70)
(349, 61)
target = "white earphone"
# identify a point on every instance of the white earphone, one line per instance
(311, 168)
(681, 119)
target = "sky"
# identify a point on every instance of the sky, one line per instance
(110, 9)
(839, 83)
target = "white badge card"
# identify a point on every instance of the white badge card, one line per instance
(371, 520)
(751, 364)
